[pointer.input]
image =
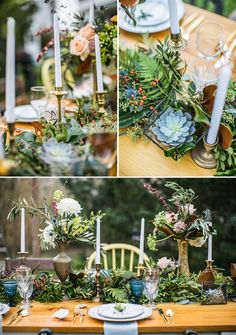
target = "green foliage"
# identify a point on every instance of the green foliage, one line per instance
(46, 289)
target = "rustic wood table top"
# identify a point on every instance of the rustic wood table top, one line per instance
(196, 317)
(146, 159)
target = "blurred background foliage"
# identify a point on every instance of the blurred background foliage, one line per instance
(223, 7)
(125, 202)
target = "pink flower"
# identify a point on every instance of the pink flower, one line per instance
(79, 46)
(87, 32)
(179, 227)
(163, 263)
(129, 3)
(171, 217)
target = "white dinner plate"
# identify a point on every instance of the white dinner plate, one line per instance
(93, 312)
(25, 113)
(127, 24)
(130, 311)
(4, 309)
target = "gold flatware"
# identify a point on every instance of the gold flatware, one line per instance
(83, 313)
(230, 37)
(188, 20)
(14, 317)
(164, 318)
(170, 315)
(23, 314)
(196, 23)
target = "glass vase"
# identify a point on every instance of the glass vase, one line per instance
(183, 264)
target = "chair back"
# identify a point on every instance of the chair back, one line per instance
(32, 262)
(117, 255)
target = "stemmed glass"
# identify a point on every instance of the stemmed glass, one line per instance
(151, 285)
(39, 99)
(210, 40)
(10, 287)
(25, 288)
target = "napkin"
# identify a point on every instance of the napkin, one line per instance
(118, 328)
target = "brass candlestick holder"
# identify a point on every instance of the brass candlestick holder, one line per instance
(140, 270)
(59, 93)
(101, 99)
(177, 43)
(94, 71)
(207, 275)
(12, 144)
(97, 276)
(203, 154)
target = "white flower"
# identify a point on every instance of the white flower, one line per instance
(68, 206)
(48, 235)
(198, 242)
(163, 263)
(188, 209)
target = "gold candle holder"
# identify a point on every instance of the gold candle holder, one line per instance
(207, 275)
(59, 93)
(12, 144)
(101, 99)
(97, 276)
(94, 71)
(203, 154)
(177, 43)
(140, 270)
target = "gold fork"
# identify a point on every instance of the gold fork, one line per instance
(188, 20)
(196, 23)
(83, 313)
(226, 54)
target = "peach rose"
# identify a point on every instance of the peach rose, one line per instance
(87, 32)
(129, 3)
(79, 46)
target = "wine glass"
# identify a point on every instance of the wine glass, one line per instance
(151, 282)
(210, 40)
(203, 74)
(39, 99)
(136, 288)
(10, 287)
(25, 288)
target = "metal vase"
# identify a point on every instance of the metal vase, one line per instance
(62, 263)
(183, 264)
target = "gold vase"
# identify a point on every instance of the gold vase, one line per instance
(62, 263)
(183, 264)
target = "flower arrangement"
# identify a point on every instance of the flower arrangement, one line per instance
(63, 220)
(182, 224)
(154, 97)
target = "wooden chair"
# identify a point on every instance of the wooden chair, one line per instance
(47, 75)
(44, 263)
(115, 249)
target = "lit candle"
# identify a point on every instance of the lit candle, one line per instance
(98, 65)
(57, 52)
(98, 239)
(219, 103)
(141, 246)
(2, 153)
(22, 232)
(91, 13)
(10, 71)
(209, 256)
(174, 19)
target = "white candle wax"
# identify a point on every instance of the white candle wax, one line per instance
(141, 245)
(98, 241)
(57, 52)
(91, 13)
(10, 71)
(2, 153)
(209, 256)
(98, 65)
(174, 19)
(219, 104)
(22, 231)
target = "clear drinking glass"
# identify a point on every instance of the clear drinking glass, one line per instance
(203, 73)
(39, 99)
(151, 285)
(210, 40)
(25, 288)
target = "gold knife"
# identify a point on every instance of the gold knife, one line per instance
(14, 317)
(188, 20)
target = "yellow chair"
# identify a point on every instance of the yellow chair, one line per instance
(115, 249)
(48, 76)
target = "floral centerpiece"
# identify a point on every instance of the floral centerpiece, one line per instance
(63, 223)
(158, 104)
(183, 224)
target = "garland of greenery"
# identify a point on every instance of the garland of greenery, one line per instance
(150, 83)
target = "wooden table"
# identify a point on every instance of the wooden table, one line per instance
(146, 159)
(206, 319)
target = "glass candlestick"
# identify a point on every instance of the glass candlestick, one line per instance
(177, 44)
(97, 279)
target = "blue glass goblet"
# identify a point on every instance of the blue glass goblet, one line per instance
(136, 288)
(10, 287)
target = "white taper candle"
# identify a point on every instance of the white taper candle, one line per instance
(22, 231)
(100, 87)
(10, 71)
(98, 241)
(174, 19)
(219, 103)
(91, 13)
(57, 51)
(209, 256)
(141, 245)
